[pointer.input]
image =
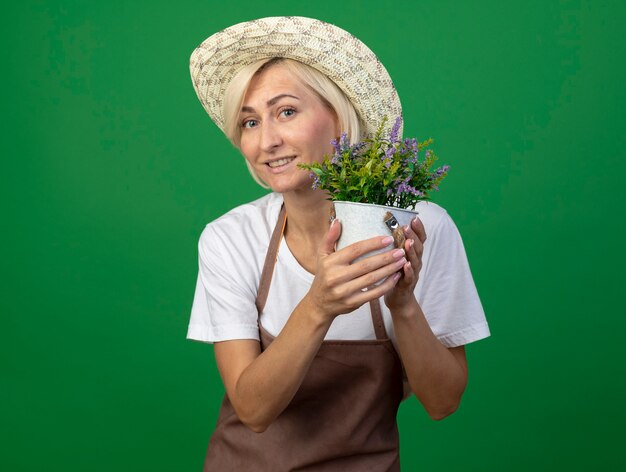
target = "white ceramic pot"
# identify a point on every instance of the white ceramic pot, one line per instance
(361, 221)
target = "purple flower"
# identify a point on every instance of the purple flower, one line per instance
(404, 187)
(393, 137)
(344, 145)
(337, 144)
(338, 148)
(410, 144)
(316, 180)
(442, 170)
(388, 157)
(356, 149)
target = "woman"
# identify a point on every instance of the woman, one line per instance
(313, 364)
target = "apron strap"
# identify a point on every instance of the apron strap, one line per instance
(377, 319)
(268, 271)
(270, 260)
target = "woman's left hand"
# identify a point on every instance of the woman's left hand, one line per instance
(401, 293)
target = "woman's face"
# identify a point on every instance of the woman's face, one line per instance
(283, 123)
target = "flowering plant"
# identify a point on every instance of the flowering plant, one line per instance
(382, 171)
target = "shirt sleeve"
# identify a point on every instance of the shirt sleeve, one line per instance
(224, 301)
(449, 298)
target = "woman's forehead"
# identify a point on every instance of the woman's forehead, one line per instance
(274, 81)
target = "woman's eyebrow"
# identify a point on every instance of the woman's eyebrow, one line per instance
(269, 103)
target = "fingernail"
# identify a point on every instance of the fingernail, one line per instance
(333, 222)
(401, 262)
(387, 241)
(411, 242)
(397, 253)
(396, 276)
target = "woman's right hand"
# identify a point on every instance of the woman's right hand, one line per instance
(340, 286)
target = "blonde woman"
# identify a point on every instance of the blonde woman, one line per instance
(314, 357)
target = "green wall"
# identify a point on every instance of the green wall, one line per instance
(111, 169)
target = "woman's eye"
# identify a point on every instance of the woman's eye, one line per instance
(288, 112)
(249, 124)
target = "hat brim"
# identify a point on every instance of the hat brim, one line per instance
(333, 51)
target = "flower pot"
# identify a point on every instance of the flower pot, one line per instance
(361, 221)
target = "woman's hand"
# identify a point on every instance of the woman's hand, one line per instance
(340, 286)
(400, 295)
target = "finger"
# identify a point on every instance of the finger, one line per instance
(378, 290)
(418, 246)
(407, 275)
(360, 248)
(411, 251)
(372, 263)
(328, 244)
(414, 255)
(369, 279)
(418, 228)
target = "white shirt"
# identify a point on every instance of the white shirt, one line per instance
(232, 251)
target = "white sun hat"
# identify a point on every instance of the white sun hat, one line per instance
(331, 50)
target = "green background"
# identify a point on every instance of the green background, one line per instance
(111, 169)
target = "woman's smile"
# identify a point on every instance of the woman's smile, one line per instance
(280, 164)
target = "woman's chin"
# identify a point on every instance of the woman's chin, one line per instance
(285, 185)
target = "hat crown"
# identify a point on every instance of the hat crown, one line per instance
(341, 56)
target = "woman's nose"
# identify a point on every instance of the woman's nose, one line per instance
(270, 136)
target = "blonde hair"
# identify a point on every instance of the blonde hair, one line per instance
(327, 91)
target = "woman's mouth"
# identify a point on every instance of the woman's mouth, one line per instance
(280, 162)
